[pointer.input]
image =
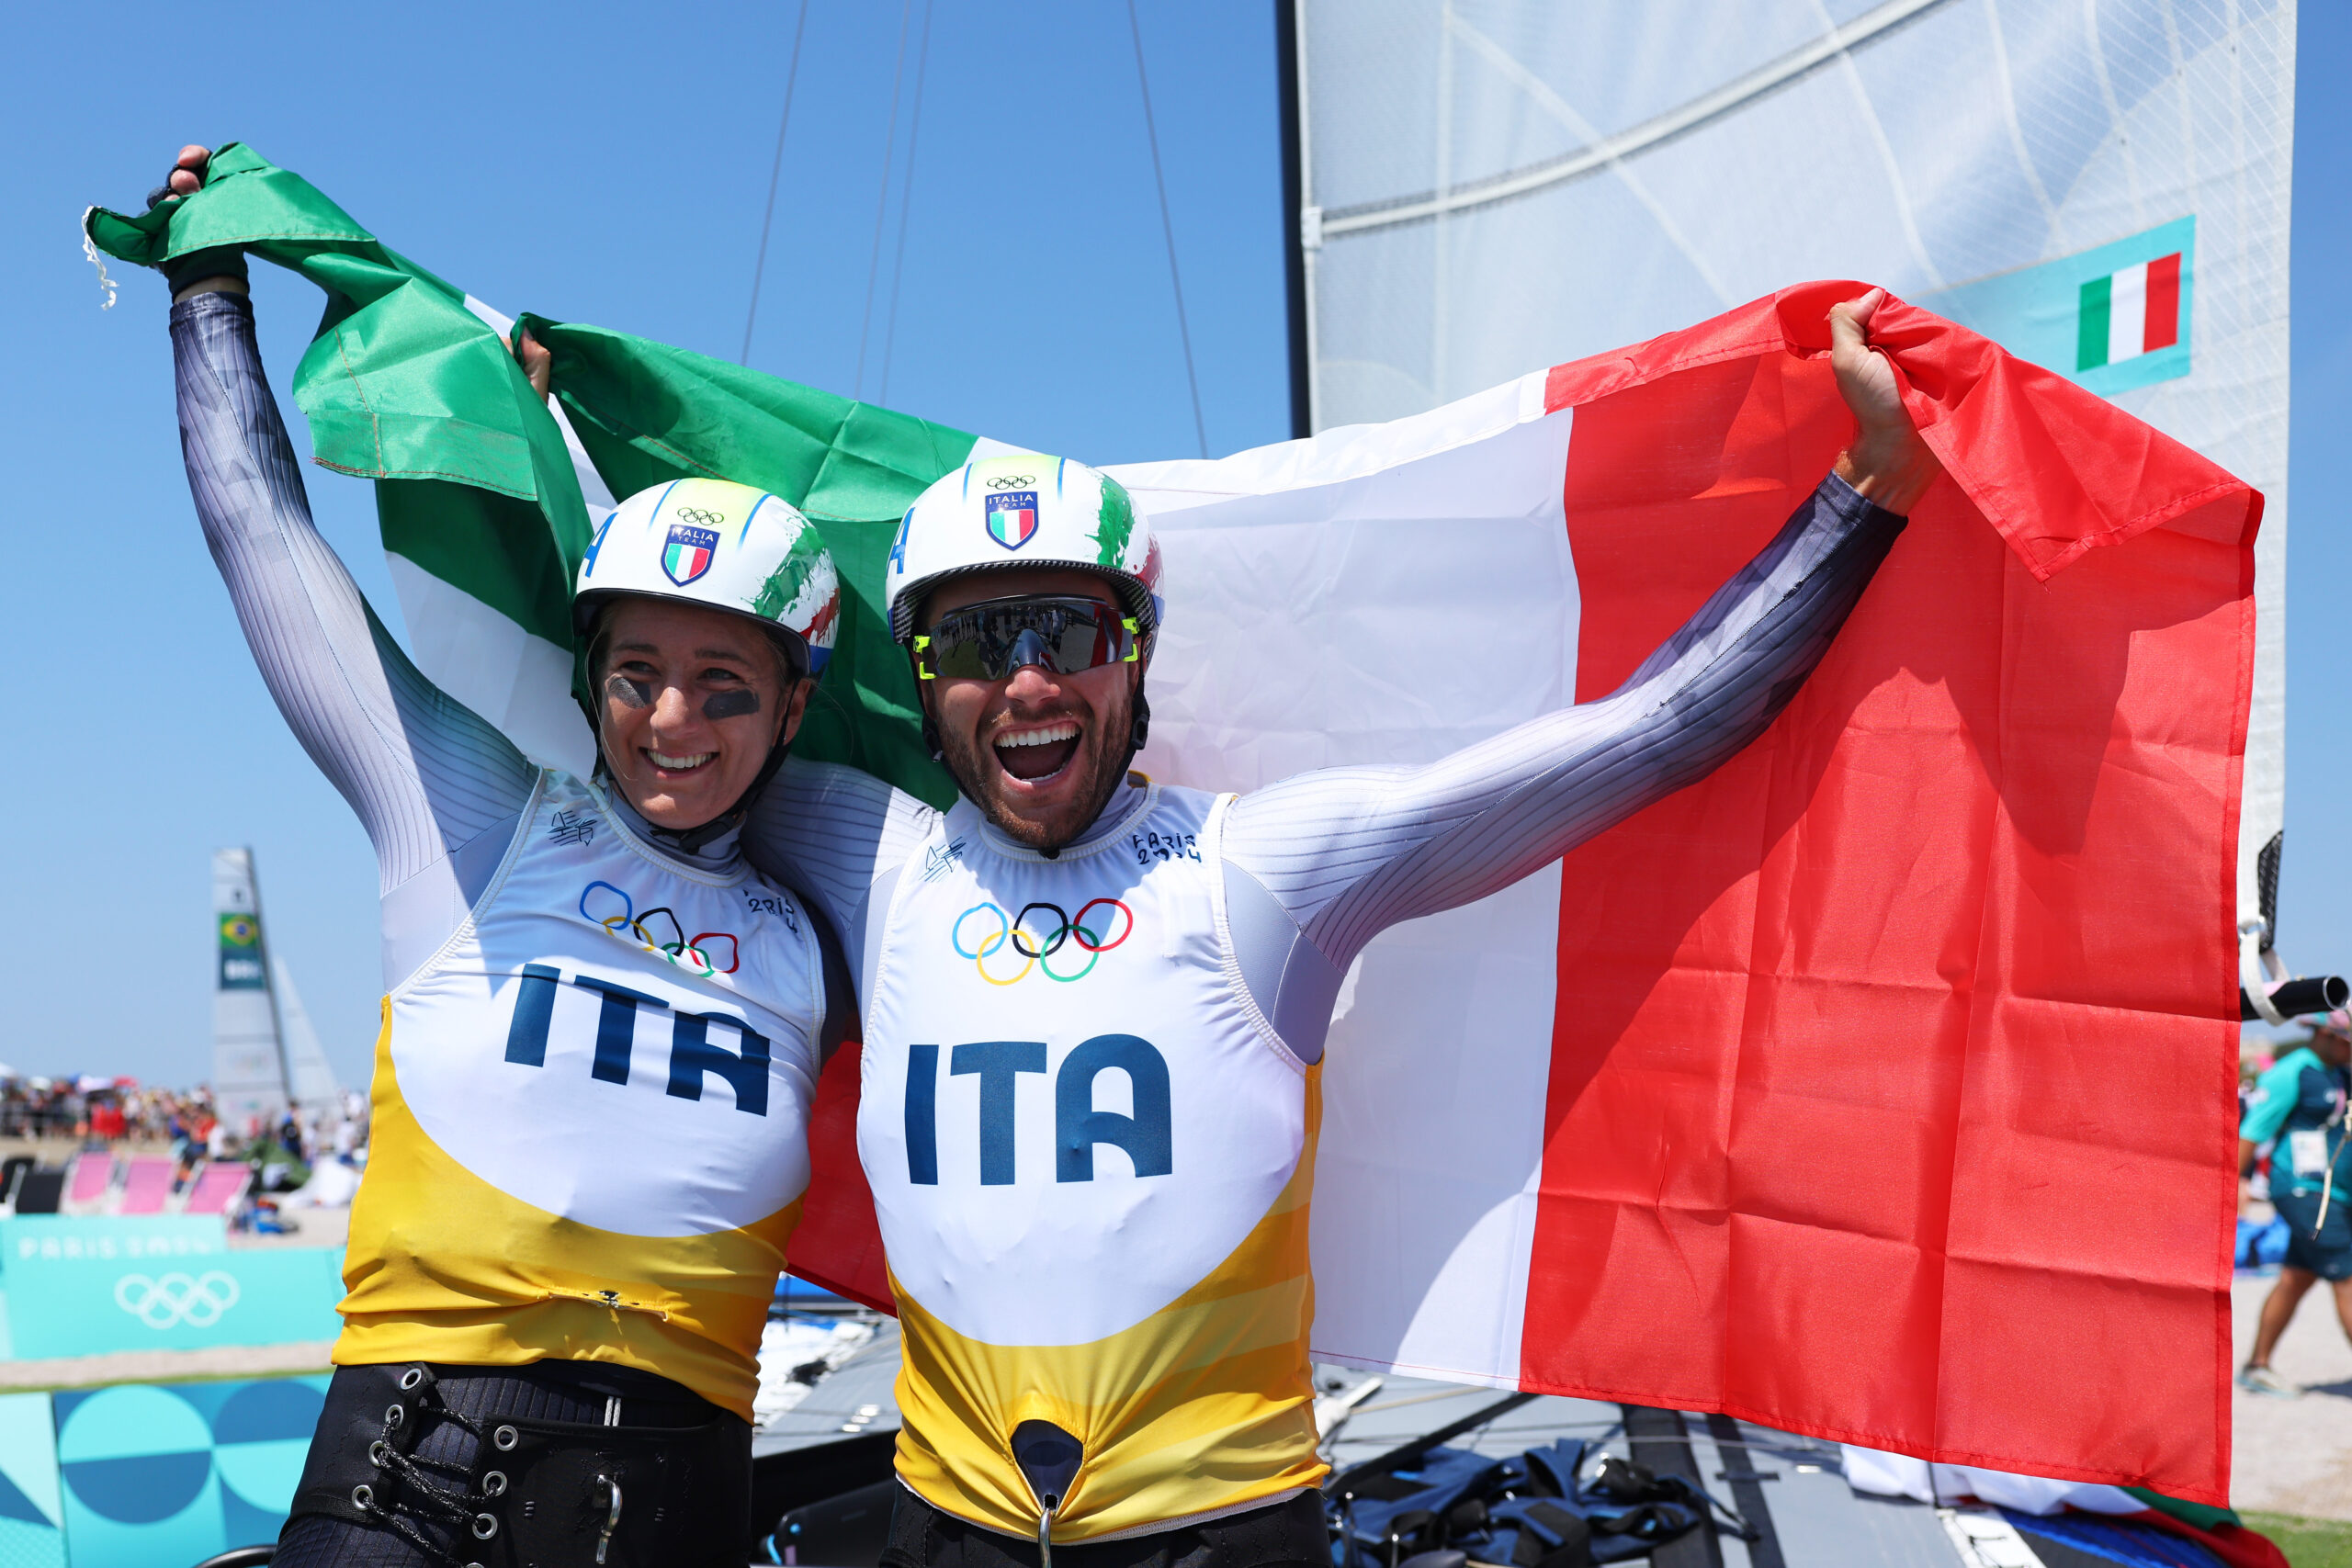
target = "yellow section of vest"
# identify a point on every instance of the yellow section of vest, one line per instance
(1205, 1409)
(444, 1267)
(590, 1116)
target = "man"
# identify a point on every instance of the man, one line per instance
(1095, 1007)
(2299, 1102)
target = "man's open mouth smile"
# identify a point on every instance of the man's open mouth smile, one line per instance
(1036, 754)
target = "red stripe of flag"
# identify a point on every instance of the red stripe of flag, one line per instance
(2164, 303)
(1861, 1039)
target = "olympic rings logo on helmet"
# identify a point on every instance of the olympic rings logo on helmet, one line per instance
(696, 954)
(696, 514)
(176, 1298)
(1038, 947)
(1013, 482)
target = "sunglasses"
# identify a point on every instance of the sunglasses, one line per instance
(989, 640)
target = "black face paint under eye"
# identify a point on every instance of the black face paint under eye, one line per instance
(730, 705)
(628, 692)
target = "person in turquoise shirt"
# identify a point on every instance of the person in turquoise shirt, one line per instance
(2298, 1107)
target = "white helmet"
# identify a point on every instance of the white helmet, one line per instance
(1023, 511)
(721, 545)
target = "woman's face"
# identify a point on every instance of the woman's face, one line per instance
(692, 701)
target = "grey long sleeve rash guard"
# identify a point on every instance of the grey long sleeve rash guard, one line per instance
(437, 787)
(1318, 864)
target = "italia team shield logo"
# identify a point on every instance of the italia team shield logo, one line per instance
(1013, 518)
(689, 552)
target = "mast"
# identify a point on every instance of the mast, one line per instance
(269, 969)
(1286, 69)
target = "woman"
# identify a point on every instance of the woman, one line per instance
(600, 1028)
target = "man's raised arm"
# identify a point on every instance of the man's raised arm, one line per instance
(1346, 853)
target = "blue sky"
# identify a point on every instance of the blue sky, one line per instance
(576, 161)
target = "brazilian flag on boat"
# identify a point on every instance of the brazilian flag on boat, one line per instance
(488, 497)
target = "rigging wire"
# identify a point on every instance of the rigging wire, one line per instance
(882, 196)
(906, 201)
(1168, 230)
(760, 267)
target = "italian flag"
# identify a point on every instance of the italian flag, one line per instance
(1877, 1087)
(2128, 313)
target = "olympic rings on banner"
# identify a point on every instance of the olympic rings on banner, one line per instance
(176, 1298)
(695, 953)
(1037, 947)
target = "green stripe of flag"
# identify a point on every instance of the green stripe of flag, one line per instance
(403, 383)
(2203, 1516)
(647, 414)
(406, 386)
(2090, 340)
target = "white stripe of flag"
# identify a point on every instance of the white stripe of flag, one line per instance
(2127, 315)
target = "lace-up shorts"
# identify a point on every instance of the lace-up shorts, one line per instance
(416, 1465)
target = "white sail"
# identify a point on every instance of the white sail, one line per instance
(316, 1087)
(248, 1060)
(1488, 186)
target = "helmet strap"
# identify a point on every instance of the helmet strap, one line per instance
(1141, 731)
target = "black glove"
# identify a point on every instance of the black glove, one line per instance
(218, 261)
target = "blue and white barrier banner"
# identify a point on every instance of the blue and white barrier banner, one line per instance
(32, 1508)
(159, 1475)
(109, 1299)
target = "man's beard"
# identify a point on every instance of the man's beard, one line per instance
(1101, 761)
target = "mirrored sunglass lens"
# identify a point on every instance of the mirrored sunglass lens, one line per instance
(1080, 647)
(956, 654)
(984, 644)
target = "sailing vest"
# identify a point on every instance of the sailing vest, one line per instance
(1092, 1159)
(590, 1116)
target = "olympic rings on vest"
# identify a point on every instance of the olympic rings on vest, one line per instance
(1035, 948)
(696, 954)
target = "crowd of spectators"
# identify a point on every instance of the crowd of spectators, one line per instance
(122, 1113)
(105, 1111)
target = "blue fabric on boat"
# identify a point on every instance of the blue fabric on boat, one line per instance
(2117, 1540)
(1523, 1512)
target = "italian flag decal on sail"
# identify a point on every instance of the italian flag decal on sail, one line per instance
(2128, 313)
(2115, 317)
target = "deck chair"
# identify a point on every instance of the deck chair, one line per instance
(12, 1171)
(86, 1181)
(146, 1184)
(39, 1192)
(217, 1187)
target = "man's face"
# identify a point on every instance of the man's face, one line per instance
(1037, 753)
(2332, 1047)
